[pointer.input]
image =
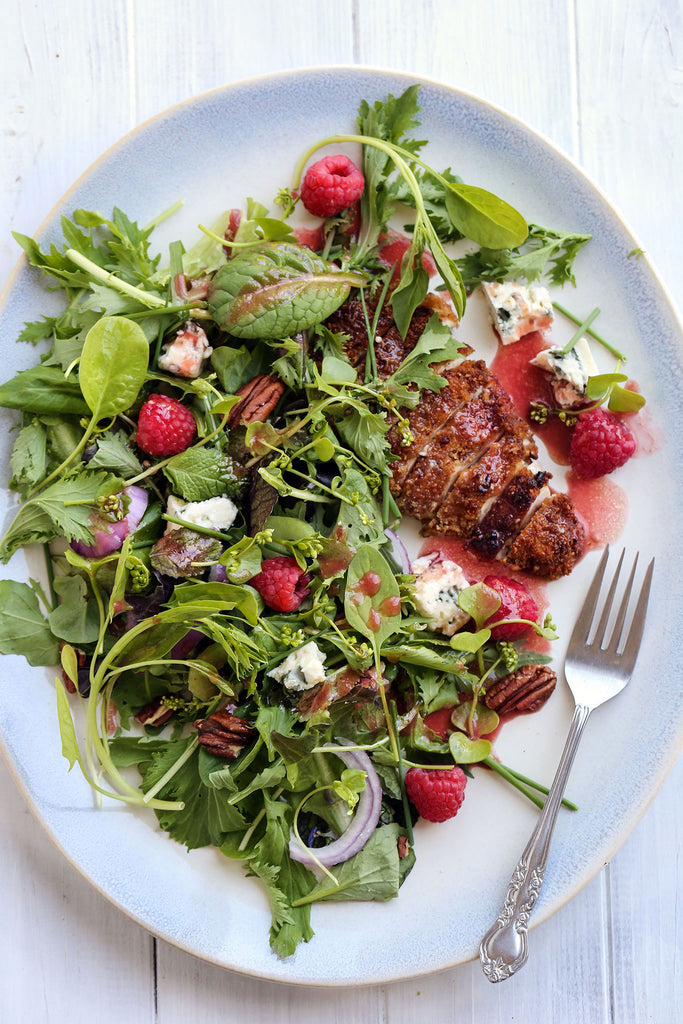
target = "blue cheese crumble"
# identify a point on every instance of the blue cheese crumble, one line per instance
(516, 310)
(570, 372)
(437, 588)
(301, 669)
(213, 514)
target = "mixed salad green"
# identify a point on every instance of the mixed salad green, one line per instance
(151, 613)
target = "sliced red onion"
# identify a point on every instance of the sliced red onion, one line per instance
(399, 550)
(364, 821)
(217, 573)
(187, 644)
(110, 536)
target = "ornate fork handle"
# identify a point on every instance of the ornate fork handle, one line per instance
(504, 948)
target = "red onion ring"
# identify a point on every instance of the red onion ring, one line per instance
(362, 825)
(398, 550)
(110, 536)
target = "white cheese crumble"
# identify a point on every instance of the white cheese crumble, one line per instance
(570, 372)
(214, 513)
(437, 588)
(185, 355)
(301, 669)
(516, 310)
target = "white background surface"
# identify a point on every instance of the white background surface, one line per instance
(604, 81)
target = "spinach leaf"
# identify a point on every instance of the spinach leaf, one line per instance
(484, 217)
(113, 366)
(76, 619)
(23, 628)
(43, 390)
(276, 290)
(372, 602)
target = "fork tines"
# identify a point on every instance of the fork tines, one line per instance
(623, 637)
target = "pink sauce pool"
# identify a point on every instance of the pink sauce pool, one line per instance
(602, 507)
(527, 384)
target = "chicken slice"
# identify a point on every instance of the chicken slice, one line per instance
(494, 534)
(552, 541)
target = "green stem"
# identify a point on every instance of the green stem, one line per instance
(583, 327)
(519, 783)
(146, 298)
(175, 767)
(164, 215)
(77, 450)
(575, 320)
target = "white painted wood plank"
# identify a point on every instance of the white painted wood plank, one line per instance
(67, 955)
(64, 101)
(515, 55)
(215, 43)
(185, 984)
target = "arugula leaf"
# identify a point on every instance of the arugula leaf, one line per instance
(372, 874)
(546, 251)
(434, 198)
(436, 344)
(207, 817)
(199, 473)
(62, 509)
(29, 457)
(23, 628)
(285, 880)
(114, 453)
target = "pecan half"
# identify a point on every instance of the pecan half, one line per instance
(154, 713)
(525, 689)
(223, 734)
(259, 398)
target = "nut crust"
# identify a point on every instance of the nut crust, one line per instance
(259, 398)
(223, 734)
(524, 690)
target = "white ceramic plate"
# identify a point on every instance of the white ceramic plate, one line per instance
(214, 151)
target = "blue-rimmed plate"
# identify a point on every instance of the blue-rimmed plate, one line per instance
(213, 152)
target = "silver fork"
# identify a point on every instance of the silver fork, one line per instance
(598, 666)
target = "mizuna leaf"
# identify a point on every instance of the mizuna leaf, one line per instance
(274, 291)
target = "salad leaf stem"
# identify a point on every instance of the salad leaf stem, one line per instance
(146, 298)
(594, 334)
(521, 783)
(167, 776)
(578, 335)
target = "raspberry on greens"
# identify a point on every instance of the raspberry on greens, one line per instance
(281, 583)
(437, 794)
(331, 185)
(165, 426)
(515, 603)
(600, 444)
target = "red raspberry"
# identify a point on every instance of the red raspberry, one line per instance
(515, 603)
(165, 426)
(600, 444)
(330, 185)
(437, 794)
(281, 583)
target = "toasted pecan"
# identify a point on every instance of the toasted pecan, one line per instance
(524, 690)
(259, 397)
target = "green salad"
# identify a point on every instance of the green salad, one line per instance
(210, 479)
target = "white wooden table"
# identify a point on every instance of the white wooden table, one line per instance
(602, 80)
